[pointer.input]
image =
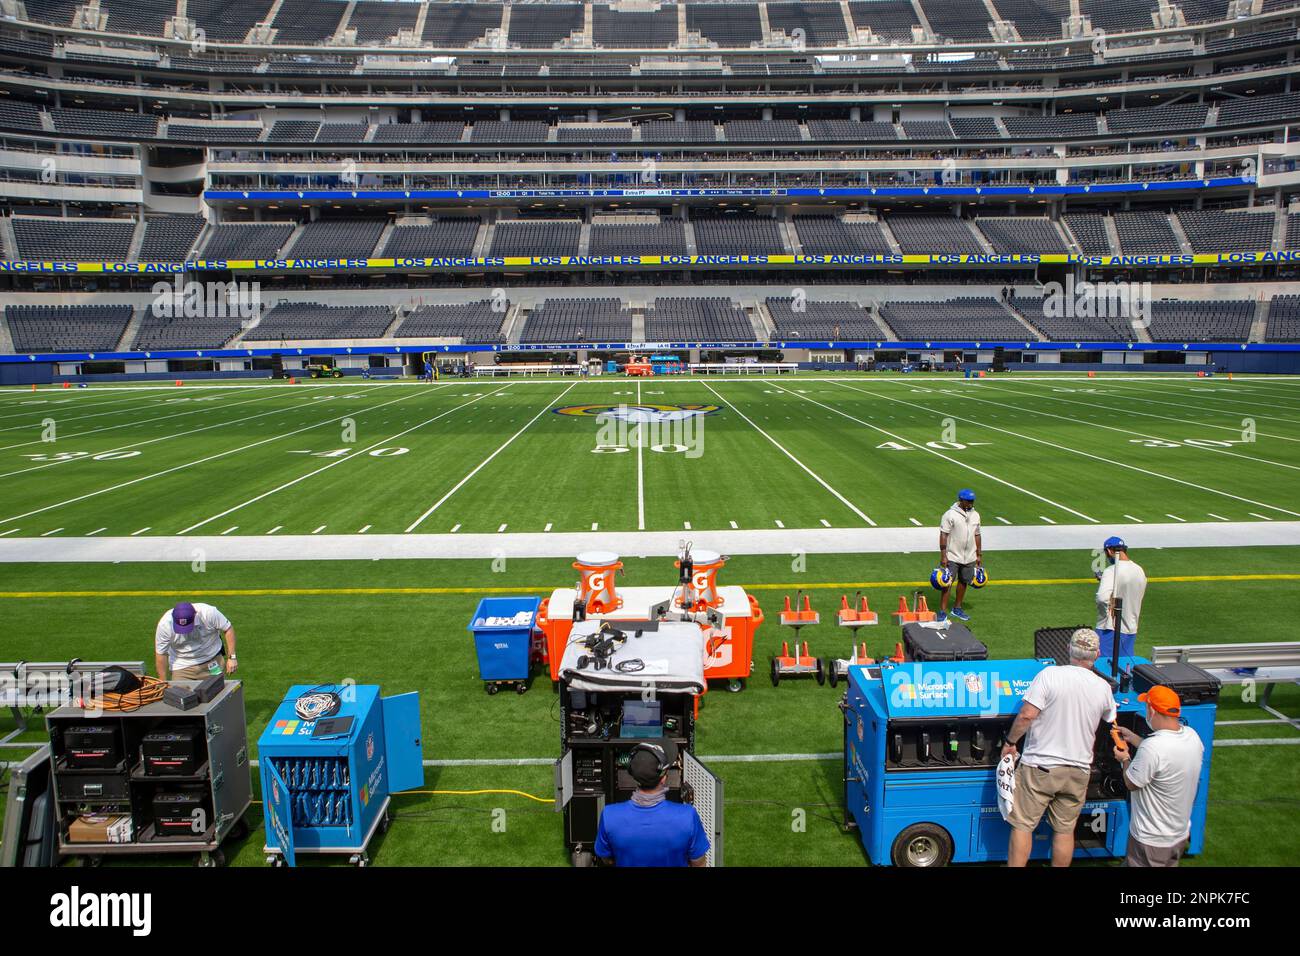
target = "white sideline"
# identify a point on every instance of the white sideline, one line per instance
(552, 544)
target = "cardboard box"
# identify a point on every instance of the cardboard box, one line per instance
(101, 828)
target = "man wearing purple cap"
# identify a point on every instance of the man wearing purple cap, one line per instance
(188, 641)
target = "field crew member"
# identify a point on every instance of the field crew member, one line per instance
(960, 549)
(650, 829)
(1058, 722)
(1162, 771)
(188, 641)
(1124, 579)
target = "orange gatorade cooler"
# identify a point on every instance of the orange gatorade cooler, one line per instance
(703, 590)
(596, 586)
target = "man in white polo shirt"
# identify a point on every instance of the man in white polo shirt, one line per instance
(188, 643)
(960, 549)
(1058, 720)
(1162, 771)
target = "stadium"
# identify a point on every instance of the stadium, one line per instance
(349, 318)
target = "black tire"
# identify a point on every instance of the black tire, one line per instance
(821, 672)
(239, 831)
(922, 845)
(735, 685)
(521, 687)
(582, 858)
(385, 822)
(834, 675)
(491, 688)
(776, 673)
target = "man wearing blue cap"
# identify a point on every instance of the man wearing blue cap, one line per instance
(1122, 580)
(960, 549)
(188, 642)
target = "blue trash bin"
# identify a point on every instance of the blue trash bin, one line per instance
(503, 637)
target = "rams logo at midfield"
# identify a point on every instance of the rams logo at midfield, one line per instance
(639, 414)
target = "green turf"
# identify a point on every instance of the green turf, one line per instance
(418, 642)
(804, 451)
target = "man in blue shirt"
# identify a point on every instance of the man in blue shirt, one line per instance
(649, 829)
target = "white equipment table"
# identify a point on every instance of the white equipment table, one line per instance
(742, 368)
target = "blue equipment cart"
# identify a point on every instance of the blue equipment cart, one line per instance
(503, 640)
(326, 782)
(921, 746)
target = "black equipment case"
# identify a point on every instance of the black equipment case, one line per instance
(952, 643)
(91, 747)
(1192, 684)
(171, 753)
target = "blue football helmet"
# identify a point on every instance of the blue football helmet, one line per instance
(979, 578)
(941, 578)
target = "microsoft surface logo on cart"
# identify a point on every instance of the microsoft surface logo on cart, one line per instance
(76, 909)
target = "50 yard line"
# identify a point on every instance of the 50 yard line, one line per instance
(640, 470)
(481, 465)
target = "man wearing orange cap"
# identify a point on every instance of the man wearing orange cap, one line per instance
(1162, 771)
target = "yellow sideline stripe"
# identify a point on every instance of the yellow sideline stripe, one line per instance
(804, 585)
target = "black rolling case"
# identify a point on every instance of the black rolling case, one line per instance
(952, 643)
(1189, 682)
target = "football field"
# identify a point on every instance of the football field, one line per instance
(665, 454)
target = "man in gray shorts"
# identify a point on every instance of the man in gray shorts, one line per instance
(1058, 721)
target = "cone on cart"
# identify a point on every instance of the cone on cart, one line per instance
(178, 382)
(801, 614)
(919, 612)
(898, 653)
(67, 385)
(859, 616)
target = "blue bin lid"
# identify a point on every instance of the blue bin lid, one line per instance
(504, 613)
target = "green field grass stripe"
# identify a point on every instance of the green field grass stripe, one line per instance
(544, 589)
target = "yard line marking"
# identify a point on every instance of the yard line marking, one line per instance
(640, 470)
(547, 528)
(1175, 517)
(1254, 515)
(1213, 515)
(230, 529)
(1098, 406)
(364, 529)
(10, 531)
(48, 533)
(275, 529)
(151, 441)
(779, 524)
(1109, 461)
(190, 464)
(1047, 519)
(686, 525)
(484, 463)
(733, 524)
(133, 422)
(455, 529)
(915, 522)
(1131, 518)
(141, 531)
(595, 525)
(1144, 392)
(1129, 431)
(947, 458)
(812, 474)
(47, 411)
(500, 529)
(90, 535)
(1003, 520)
(825, 523)
(319, 530)
(338, 461)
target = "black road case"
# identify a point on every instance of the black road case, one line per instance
(952, 643)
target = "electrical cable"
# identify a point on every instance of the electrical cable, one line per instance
(317, 703)
(150, 691)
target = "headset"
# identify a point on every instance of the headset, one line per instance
(661, 758)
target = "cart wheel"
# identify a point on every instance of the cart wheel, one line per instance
(735, 685)
(385, 822)
(239, 831)
(363, 860)
(834, 675)
(213, 858)
(583, 858)
(821, 672)
(776, 673)
(922, 845)
(492, 689)
(91, 861)
(521, 688)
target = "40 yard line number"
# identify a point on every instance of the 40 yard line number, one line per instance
(392, 452)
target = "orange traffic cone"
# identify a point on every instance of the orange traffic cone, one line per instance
(67, 385)
(178, 382)
(844, 602)
(786, 609)
(898, 653)
(902, 615)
